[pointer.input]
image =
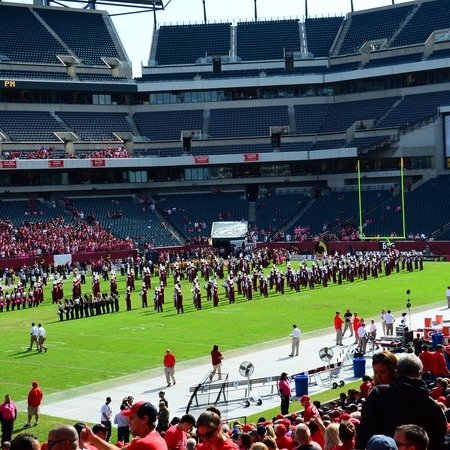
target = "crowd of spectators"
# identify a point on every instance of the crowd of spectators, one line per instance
(40, 153)
(56, 237)
(119, 152)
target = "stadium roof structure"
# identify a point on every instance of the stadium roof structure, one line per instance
(145, 5)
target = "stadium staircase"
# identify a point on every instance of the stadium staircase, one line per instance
(403, 25)
(295, 219)
(52, 32)
(336, 48)
(387, 112)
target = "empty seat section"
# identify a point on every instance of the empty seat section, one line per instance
(184, 44)
(376, 24)
(414, 108)
(24, 39)
(274, 211)
(309, 119)
(127, 218)
(193, 214)
(244, 122)
(262, 40)
(168, 125)
(96, 126)
(321, 33)
(429, 17)
(85, 33)
(345, 114)
(14, 74)
(35, 126)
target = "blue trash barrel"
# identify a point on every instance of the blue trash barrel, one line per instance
(437, 339)
(301, 384)
(359, 367)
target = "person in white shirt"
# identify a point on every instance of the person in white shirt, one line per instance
(42, 336)
(362, 338)
(34, 332)
(389, 321)
(105, 417)
(295, 335)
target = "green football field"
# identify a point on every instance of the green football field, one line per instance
(112, 346)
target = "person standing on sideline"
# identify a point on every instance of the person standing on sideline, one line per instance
(285, 392)
(348, 322)
(389, 320)
(33, 337)
(338, 322)
(216, 360)
(169, 367)
(8, 414)
(105, 416)
(123, 429)
(447, 293)
(295, 335)
(35, 397)
(42, 336)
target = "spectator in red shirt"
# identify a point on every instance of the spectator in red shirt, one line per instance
(338, 323)
(310, 410)
(177, 435)
(35, 397)
(282, 440)
(439, 363)
(366, 386)
(427, 359)
(216, 360)
(169, 367)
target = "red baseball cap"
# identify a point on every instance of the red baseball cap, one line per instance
(142, 409)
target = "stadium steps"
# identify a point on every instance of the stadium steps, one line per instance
(387, 113)
(168, 224)
(303, 37)
(134, 128)
(252, 211)
(441, 233)
(52, 32)
(205, 127)
(336, 48)
(292, 123)
(151, 58)
(295, 219)
(116, 40)
(403, 24)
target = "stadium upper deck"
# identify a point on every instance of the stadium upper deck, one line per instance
(266, 100)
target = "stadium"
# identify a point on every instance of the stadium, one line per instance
(295, 137)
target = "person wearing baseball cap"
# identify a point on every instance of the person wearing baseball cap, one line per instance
(310, 410)
(142, 416)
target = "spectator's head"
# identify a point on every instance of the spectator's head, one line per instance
(258, 446)
(6, 445)
(332, 439)
(62, 437)
(209, 426)
(283, 376)
(246, 440)
(186, 423)
(25, 441)
(384, 367)
(409, 366)
(302, 434)
(305, 400)
(411, 436)
(100, 430)
(191, 444)
(381, 442)
(346, 431)
(142, 416)
(270, 443)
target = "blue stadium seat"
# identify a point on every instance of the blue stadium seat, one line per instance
(262, 40)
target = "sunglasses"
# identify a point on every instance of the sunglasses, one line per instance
(50, 444)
